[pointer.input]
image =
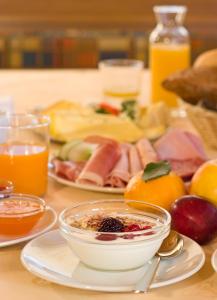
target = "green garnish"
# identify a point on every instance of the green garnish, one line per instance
(155, 170)
(129, 108)
(102, 111)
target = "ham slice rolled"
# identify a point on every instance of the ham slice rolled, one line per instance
(120, 175)
(146, 152)
(67, 169)
(184, 151)
(135, 164)
(100, 164)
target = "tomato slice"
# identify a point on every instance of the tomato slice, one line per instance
(109, 108)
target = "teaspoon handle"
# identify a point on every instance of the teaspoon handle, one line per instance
(142, 286)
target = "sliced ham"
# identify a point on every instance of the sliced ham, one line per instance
(176, 144)
(100, 164)
(120, 175)
(67, 169)
(185, 169)
(146, 152)
(135, 164)
(184, 151)
(198, 144)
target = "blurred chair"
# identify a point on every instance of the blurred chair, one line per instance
(208, 59)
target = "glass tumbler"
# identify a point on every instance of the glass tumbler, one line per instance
(24, 141)
(121, 78)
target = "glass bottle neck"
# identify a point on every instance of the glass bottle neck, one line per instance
(170, 16)
(169, 20)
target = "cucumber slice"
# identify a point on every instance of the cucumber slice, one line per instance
(66, 148)
(76, 150)
(81, 152)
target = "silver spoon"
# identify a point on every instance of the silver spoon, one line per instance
(171, 247)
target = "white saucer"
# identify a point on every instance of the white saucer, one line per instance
(214, 260)
(87, 187)
(47, 221)
(49, 257)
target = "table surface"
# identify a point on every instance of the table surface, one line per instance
(35, 88)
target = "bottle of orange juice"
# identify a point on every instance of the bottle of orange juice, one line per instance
(169, 50)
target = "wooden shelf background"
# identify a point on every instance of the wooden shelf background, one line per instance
(35, 15)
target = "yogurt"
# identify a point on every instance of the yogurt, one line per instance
(119, 250)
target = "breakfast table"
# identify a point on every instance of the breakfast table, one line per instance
(29, 90)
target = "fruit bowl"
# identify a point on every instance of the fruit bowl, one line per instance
(114, 234)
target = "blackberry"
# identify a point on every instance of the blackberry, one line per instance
(111, 225)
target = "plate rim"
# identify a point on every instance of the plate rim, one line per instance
(119, 289)
(87, 187)
(34, 235)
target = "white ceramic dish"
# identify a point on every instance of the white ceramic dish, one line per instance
(47, 221)
(50, 258)
(214, 260)
(125, 250)
(87, 187)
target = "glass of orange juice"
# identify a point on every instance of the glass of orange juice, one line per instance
(169, 50)
(24, 142)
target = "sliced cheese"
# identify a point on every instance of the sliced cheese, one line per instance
(67, 126)
(65, 106)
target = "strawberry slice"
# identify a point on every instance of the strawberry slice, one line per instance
(132, 227)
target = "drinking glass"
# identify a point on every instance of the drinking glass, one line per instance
(24, 141)
(6, 104)
(121, 78)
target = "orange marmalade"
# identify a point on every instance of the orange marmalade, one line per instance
(19, 214)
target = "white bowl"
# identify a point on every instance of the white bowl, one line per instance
(120, 252)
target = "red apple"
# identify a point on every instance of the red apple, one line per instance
(194, 217)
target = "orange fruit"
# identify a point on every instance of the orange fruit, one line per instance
(204, 181)
(162, 191)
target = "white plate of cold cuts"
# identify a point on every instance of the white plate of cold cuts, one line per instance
(87, 187)
(104, 165)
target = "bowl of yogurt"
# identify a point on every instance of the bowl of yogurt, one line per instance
(114, 234)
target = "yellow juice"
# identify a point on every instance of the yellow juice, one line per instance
(121, 95)
(26, 166)
(165, 60)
